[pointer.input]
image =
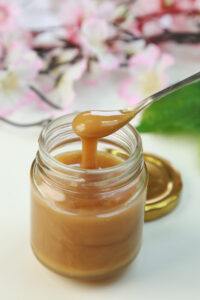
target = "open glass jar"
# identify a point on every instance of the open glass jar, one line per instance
(87, 223)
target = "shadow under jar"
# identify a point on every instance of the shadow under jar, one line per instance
(87, 223)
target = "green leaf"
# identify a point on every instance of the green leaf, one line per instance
(178, 112)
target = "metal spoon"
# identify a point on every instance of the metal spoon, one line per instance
(99, 123)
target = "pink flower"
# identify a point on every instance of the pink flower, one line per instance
(21, 68)
(109, 61)
(94, 33)
(197, 4)
(72, 14)
(63, 92)
(143, 7)
(9, 16)
(24, 61)
(152, 28)
(106, 10)
(186, 4)
(147, 74)
(77, 14)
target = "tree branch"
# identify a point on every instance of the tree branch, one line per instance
(178, 37)
(25, 125)
(44, 98)
(171, 10)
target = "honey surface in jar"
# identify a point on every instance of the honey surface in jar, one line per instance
(86, 236)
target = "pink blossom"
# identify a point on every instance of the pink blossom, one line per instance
(186, 4)
(104, 36)
(94, 33)
(72, 14)
(152, 28)
(10, 107)
(21, 68)
(24, 61)
(109, 61)
(9, 16)
(143, 7)
(63, 93)
(106, 10)
(197, 4)
(77, 14)
(147, 74)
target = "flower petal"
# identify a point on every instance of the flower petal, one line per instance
(148, 57)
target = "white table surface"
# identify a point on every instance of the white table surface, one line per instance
(168, 266)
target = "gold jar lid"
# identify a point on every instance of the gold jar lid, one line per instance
(164, 185)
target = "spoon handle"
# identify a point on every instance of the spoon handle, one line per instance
(157, 96)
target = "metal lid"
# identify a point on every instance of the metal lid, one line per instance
(164, 187)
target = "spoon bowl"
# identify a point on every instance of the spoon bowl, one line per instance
(100, 123)
(95, 124)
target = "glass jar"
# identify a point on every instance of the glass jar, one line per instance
(87, 223)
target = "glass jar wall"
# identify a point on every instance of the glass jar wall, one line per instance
(87, 223)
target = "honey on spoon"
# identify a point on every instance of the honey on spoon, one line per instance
(95, 124)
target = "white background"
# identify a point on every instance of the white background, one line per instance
(168, 266)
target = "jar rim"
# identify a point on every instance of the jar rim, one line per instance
(48, 157)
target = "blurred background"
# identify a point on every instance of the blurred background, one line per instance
(57, 56)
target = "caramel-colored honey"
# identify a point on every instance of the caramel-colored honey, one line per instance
(89, 236)
(92, 125)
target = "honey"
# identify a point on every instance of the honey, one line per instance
(87, 222)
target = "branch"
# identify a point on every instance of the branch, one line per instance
(178, 37)
(54, 64)
(170, 10)
(25, 125)
(44, 98)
